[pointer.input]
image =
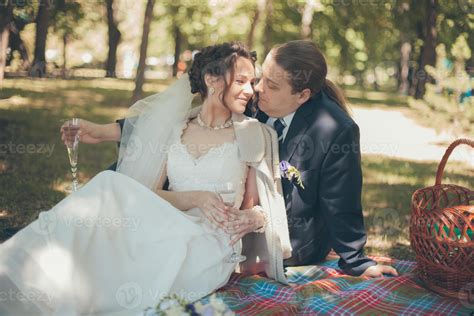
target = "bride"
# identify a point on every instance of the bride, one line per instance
(121, 242)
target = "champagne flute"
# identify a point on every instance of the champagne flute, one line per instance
(71, 129)
(226, 191)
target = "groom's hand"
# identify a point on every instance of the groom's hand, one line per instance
(379, 270)
(92, 133)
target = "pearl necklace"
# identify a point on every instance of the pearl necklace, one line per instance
(201, 123)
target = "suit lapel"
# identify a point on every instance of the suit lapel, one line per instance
(261, 116)
(300, 123)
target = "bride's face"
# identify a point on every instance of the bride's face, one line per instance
(240, 88)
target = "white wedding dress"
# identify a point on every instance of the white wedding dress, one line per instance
(115, 247)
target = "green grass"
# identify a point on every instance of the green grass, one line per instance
(378, 99)
(30, 113)
(388, 186)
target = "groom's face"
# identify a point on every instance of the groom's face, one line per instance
(275, 94)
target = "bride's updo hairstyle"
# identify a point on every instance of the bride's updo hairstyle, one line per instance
(217, 60)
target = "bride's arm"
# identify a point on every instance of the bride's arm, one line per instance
(247, 219)
(209, 202)
(251, 192)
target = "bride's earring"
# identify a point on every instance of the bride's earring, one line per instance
(211, 90)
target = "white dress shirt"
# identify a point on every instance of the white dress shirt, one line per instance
(286, 121)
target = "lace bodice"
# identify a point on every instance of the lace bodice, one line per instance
(219, 165)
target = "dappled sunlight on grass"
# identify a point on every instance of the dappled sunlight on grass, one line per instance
(380, 169)
(61, 184)
(388, 187)
(14, 102)
(379, 99)
(32, 181)
(109, 112)
(44, 85)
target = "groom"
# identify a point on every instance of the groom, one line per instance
(318, 137)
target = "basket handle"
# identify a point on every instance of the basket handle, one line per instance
(442, 164)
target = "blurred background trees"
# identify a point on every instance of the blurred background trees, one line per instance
(376, 44)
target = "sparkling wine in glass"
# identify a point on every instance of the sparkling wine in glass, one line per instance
(226, 191)
(71, 129)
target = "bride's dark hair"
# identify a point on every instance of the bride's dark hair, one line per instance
(217, 60)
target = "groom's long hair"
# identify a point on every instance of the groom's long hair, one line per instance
(307, 69)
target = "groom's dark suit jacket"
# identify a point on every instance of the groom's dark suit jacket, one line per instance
(322, 142)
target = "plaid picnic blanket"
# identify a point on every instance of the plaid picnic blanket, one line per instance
(324, 289)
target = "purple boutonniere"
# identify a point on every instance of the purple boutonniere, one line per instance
(290, 172)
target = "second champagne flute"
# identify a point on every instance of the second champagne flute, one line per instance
(226, 191)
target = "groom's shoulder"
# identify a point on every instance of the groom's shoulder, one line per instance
(330, 119)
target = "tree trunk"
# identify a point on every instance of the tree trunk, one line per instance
(254, 24)
(268, 31)
(64, 70)
(404, 84)
(16, 43)
(413, 67)
(428, 51)
(343, 20)
(140, 78)
(6, 15)
(307, 19)
(38, 69)
(375, 83)
(177, 49)
(114, 40)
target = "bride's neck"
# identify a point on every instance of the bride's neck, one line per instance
(214, 114)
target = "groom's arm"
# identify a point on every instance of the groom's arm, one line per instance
(340, 198)
(120, 122)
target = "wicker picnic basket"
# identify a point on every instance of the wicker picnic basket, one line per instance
(441, 233)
